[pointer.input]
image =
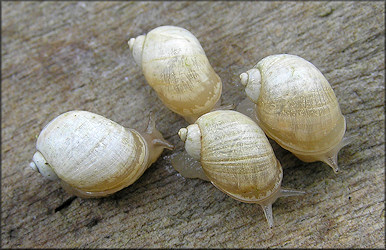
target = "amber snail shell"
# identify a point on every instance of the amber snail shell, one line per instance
(235, 155)
(94, 156)
(296, 107)
(176, 67)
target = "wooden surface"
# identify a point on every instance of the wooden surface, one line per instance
(60, 56)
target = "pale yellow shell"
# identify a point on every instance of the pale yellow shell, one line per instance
(176, 67)
(235, 156)
(91, 154)
(296, 106)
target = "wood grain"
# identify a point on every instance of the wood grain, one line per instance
(60, 56)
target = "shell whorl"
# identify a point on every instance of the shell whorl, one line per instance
(192, 138)
(136, 47)
(182, 133)
(176, 67)
(237, 157)
(92, 153)
(39, 164)
(252, 82)
(297, 106)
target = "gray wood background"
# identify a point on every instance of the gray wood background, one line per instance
(60, 56)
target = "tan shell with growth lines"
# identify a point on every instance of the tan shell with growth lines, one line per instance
(236, 157)
(176, 67)
(296, 106)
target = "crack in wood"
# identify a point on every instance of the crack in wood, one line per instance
(65, 204)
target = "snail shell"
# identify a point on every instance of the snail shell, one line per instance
(176, 67)
(296, 107)
(236, 157)
(94, 156)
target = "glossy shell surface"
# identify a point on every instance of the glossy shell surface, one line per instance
(92, 153)
(176, 67)
(237, 157)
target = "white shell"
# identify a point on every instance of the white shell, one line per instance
(176, 67)
(91, 152)
(251, 80)
(40, 165)
(192, 138)
(93, 155)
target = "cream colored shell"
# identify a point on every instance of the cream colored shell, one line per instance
(236, 157)
(296, 106)
(92, 155)
(176, 67)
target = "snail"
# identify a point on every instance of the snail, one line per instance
(296, 106)
(230, 150)
(176, 67)
(94, 156)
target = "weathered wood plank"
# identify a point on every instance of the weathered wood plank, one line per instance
(60, 56)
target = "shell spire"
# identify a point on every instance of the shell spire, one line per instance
(136, 47)
(192, 138)
(94, 156)
(296, 106)
(176, 67)
(252, 82)
(39, 164)
(236, 156)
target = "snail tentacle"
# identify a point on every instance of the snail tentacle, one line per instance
(268, 213)
(236, 156)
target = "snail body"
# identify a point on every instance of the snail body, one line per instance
(94, 156)
(235, 155)
(296, 106)
(176, 67)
